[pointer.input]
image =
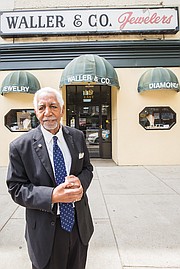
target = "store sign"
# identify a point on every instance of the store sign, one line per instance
(88, 78)
(164, 85)
(6, 89)
(89, 21)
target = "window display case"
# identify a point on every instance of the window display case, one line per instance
(157, 118)
(20, 120)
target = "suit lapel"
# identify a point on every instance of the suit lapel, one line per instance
(70, 143)
(41, 150)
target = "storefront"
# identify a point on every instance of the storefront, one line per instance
(123, 94)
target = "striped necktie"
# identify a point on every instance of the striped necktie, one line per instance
(66, 209)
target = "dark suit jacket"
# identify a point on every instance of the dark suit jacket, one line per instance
(30, 181)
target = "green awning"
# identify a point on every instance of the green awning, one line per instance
(20, 81)
(158, 79)
(89, 68)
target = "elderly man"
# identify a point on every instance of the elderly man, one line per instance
(49, 173)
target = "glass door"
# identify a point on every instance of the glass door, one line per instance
(90, 112)
(89, 122)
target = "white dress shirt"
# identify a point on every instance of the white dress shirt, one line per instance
(61, 143)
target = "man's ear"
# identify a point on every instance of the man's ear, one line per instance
(35, 113)
(62, 110)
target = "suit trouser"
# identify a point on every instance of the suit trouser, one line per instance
(68, 251)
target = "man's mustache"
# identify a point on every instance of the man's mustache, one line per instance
(49, 118)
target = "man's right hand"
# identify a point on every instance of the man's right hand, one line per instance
(64, 194)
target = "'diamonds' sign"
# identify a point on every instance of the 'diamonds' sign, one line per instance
(89, 21)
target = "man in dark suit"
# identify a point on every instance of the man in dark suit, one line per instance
(31, 181)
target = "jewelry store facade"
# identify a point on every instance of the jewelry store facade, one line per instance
(118, 70)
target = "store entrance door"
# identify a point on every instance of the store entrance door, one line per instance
(90, 112)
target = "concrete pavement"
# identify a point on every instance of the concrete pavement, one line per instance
(136, 212)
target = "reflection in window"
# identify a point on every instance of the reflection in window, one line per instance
(21, 120)
(157, 118)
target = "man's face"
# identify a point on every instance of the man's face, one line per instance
(49, 112)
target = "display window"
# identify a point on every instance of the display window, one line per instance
(157, 118)
(21, 120)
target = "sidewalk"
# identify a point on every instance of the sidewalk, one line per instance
(136, 212)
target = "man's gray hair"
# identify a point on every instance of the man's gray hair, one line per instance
(48, 90)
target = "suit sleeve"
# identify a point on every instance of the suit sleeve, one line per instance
(21, 188)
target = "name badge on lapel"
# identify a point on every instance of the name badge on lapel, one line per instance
(81, 155)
